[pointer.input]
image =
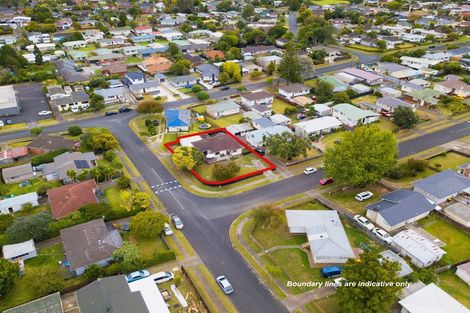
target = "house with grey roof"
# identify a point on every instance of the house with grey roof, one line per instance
(399, 208)
(74, 101)
(223, 108)
(443, 186)
(389, 104)
(64, 162)
(18, 173)
(351, 115)
(183, 81)
(325, 233)
(256, 137)
(48, 304)
(405, 269)
(209, 72)
(112, 95)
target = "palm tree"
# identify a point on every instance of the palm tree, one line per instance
(72, 174)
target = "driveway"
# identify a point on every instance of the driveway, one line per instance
(293, 22)
(32, 100)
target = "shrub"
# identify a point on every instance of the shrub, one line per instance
(5, 221)
(93, 211)
(109, 155)
(289, 110)
(36, 131)
(152, 130)
(27, 207)
(225, 171)
(163, 256)
(268, 217)
(148, 123)
(124, 182)
(29, 227)
(416, 165)
(202, 96)
(196, 89)
(94, 272)
(47, 158)
(75, 130)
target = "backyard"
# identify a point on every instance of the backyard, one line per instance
(456, 287)
(279, 106)
(148, 247)
(36, 184)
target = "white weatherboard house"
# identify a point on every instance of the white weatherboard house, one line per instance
(317, 127)
(325, 233)
(351, 116)
(443, 186)
(223, 108)
(23, 250)
(431, 299)
(420, 250)
(11, 205)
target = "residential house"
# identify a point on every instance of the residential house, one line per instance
(14, 204)
(365, 77)
(325, 233)
(438, 56)
(112, 95)
(442, 186)
(294, 90)
(50, 304)
(317, 127)
(132, 50)
(89, 243)
(64, 23)
(37, 37)
(391, 42)
(265, 61)
(46, 143)
(262, 110)
(139, 85)
(256, 50)
(65, 162)
(415, 38)
(240, 129)
(331, 53)
(185, 81)
(338, 85)
(75, 101)
(114, 69)
(111, 42)
(399, 208)
(177, 120)
(463, 272)
(223, 108)
(120, 31)
(280, 119)
(144, 29)
(218, 147)
(76, 44)
(424, 97)
(107, 59)
(389, 255)
(23, 250)
(389, 104)
(421, 251)
(18, 173)
(70, 72)
(323, 109)
(92, 35)
(453, 86)
(431, 299)
(417, 63)
(351, 115)
(257, 98)
(155, 64)
(12, 155)
(143, 38)
(67, 199)
(260, 122)
(194, 59)
(214, 55)
(209, 72)
(256, 137)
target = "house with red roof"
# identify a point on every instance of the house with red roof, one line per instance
(67, 199)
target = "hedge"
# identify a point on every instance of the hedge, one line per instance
(48, 157)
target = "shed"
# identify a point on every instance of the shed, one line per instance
(23, 250)
(14, 204)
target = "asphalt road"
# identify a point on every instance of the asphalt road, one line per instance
(293, 28)
(32, 101)
(207, 220)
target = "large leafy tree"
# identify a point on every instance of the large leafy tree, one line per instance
(99, 141)
(290, 67)
(369, 299)
(405, 117)
(132, 199)
(362, 156)
(149, 106)
(187, 158)
(128, 254)
(232, 73)
(9, 273)
(287, 145)
(25, 228)
(315, 31)
(148, 224)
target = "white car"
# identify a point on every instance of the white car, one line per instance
(177, 221)
(224, 284)
(309, 170)
(383, 235)
(162, 277)
(364, 222)
(45, 112)
(167, 229)
(2, 124)
(365, 195)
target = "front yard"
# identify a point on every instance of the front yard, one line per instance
(449, 160)
(325, 305)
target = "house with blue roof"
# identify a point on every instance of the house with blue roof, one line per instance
(177, 120)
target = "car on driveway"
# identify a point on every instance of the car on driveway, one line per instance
(383, 235)
(126, 226)
(225, 88)
(9, 122)
(364, 222)
(110, 113)
(45, 113)
(309, 170)
(260, 151)
(176, 221)
(137, 275)
(365, 195)
(167, 229)
(162, 277)
(224, 284)
(2, 124)
(124, 110)
(326, 181)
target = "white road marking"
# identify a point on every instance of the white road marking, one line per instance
(161, 180)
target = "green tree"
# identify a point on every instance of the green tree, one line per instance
(233, 72)
(124, 182)
(187, 158)
(268, 217)
(287, 145)
(94, 272)
(148, 224)
(75, 130)
(94, 211)
(290, 67)
(128, 254)
(248, 11)
(97, 102)
(180, 67)
(271, 68)
(149, 107)
(362, 157)
(29, 227)
(371, 267)
(224, 6)
(201, 96)
(223, 171)
(405, 117)
(173, 50)
(5, 221)
(72, 174)
(36, 131)
(132, 200)
(381, 45)
(99, 141)
(37, 55)
(9, 273)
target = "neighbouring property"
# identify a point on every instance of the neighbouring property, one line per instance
(14, 204)
(177, 120)
(18, 173)
(69, 161)
(23, 250)
(443, 186)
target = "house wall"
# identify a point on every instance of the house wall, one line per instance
(223, 155)
(178, 129)
(431, 197)
(81, 270)
(463, 275)
(26, 256)
(216, 114)
(8, 209)
(379, 220)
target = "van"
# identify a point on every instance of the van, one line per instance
(330, 271)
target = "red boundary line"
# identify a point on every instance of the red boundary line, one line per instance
(271, 166)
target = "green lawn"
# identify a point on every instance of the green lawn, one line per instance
(279, 106)
(369, 98)
(329, 140)
(245, 163)
(457, 242)
(364, 48)
(133, 59)
(325, 305)
(346, 198)
(226, 120)
(112, 194)
(148, 247)
(453, 285)
(87, 48)
(140, 123)
(449, 160)
(409, 179)
(34, 186)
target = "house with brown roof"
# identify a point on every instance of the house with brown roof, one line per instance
(18, 173)
(89, 243)
(67, 199)
(114, 69)
(195, 60)
(294, 90)
(46, 143)
(219, 147)
(453, 86)
(214, 55)
(155, 64)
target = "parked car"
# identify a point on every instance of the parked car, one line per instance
(2, 124)
(362, 196)
(162, 277)
(224, 284)
(137, 275)
(177, 221)
(260, 151)
(364, 222)
(385, 114)
(155, 123)
(326, 181)
(110, 113)
(124, 110)
(225, 88)
(330, 271)
(9, 122)
(45, 113)
(383, 235)
(126, 226)
(167, 230)
(309, 170)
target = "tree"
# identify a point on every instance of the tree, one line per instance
(92, 211)
(132, 199)
(233, 72)
(405, 117)
(248, 11)
(149, 107)
(109, 155)
(97, 102)
(173, 50)
(271, 68)
(37, 55)
(363, 156)
(287, 145)
(99, 141)
(29, 227)
(124, 182)
(36, 131)
(128, 254)
(255, 36)
(371, 267)
(381, 45)
(72, 174)
(187, 158)
(223, 171)
(290, 67)
(148, 224)
(75, 130)
(180, 67)
(316, 31)
(5, 221)
(201, 96)
(93, 272)
(224, 6)
(268, 217)
(9, 273)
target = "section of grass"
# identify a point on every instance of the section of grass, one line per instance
(453, 285)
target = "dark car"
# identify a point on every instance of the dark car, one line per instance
(260, 151)
(225, 88)
(126, 226)
(110, 113)
(9, 122)
(124, 110)
(155, 123)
